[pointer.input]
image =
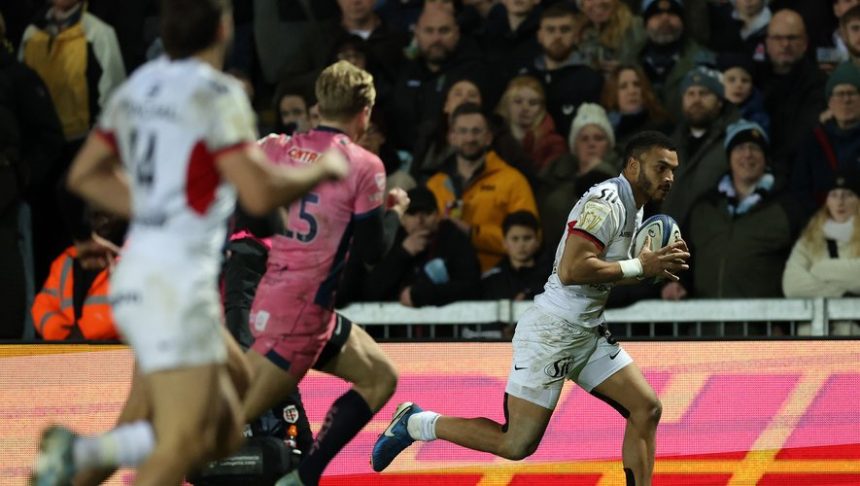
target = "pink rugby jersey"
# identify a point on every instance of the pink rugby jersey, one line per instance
(319, 226)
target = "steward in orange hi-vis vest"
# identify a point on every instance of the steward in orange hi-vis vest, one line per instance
(66, 309)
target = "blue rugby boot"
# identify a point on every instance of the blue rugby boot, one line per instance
(395, 438)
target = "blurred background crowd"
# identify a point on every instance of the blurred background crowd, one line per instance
(495, 116)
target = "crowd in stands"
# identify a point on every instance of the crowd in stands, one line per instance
(495, 116)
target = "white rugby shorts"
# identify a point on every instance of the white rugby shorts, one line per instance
(170, 315)
(549, 350)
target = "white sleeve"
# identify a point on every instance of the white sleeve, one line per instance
(107, 52)
(108, 118)
(231, 120)
(596, 220)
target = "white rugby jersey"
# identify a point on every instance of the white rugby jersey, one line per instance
(606, 215)
(168, 123)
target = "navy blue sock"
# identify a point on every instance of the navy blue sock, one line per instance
(346, 417)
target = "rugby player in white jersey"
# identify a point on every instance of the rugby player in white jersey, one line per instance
(563, 335)
(172, 150)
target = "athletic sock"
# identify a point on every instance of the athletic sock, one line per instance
(628, 474)
(127, 445)
(422, 426)
(346, 417)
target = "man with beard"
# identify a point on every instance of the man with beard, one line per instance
(699, 139)
(565, 74)
(792, 85)
(442, 55)
(477, 189)
(849, 31)
(563, 336)
(669, 53)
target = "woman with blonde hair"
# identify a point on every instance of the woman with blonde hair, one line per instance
(608, 32)
(825, 261)
(523, 107)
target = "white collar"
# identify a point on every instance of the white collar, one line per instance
(839, 43)
(841, 232)
(759, 22)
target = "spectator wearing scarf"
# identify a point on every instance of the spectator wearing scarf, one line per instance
(742, 232)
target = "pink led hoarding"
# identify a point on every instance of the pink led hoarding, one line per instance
(735, 413)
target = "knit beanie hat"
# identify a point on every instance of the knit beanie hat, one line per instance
(847, 179)
(591, 114)
(705, 77)
(728, 60)
(652, 7)
(743, 131)
(845, 73)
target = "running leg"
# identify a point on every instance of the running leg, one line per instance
(629, 393)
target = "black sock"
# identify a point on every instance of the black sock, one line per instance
(628, 473)
(346, 417)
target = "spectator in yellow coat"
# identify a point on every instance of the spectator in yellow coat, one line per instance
(476, 189)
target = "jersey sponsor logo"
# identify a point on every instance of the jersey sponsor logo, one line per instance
(291, 414)
(125, 298)
(592, 217)
(303, 155)
(608, 195)
(260, 320)
(379, 178)
(155, 219)
(558, 369)
(379, 195)
(150, 110)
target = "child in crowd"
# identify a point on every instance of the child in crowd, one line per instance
(523, 273)
(737, 72)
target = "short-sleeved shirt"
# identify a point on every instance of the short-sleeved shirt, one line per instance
(320, 225)
(168, 124)
(607, 216)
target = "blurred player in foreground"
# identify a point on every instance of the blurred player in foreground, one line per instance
(563, 336)
(185, 134)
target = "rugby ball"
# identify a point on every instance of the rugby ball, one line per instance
(662, 229)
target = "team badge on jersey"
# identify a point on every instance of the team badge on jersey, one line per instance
(593, 215)
(291, 414)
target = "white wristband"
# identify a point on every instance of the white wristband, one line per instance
(631, 268)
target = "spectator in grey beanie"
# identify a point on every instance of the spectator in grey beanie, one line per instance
(699, 137)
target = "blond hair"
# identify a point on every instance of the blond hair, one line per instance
(343, 91)
(611, 34)
(813, 234)
(504, 106)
